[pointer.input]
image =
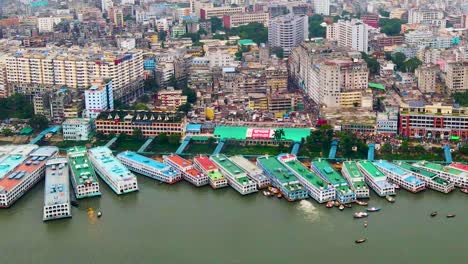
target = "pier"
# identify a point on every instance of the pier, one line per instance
(183, 145)
(447, 153)
(334, 147)
(371, 152)
(145, 145)
(295, 148)
(112, 141)
(219, 147)
(41, 135)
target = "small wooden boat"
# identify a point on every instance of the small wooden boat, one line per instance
(273, 190)
(360, 215)
(99, 214)
(267, 193)
(433, 214)
(464, 190)
(390, 199)
(373, 209)
(279, 196)
(361, 203)
(337, 203)
(365, 223)
(341, 207)
(361, 240)
(450, 216)
(74, 203)
(347, 205)
(330, 204)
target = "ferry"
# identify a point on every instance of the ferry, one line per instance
(185, 167)
(317, 188)
(216, 179)
(344, 194)
(21, 167)
(282, 179)
(235, 176)
(376, 179)
(401, 177)
(452, 173)
(430, 178)
(57, 192)
(355, 179)
(112, 171)
(83, 178)
(253, 172)
(150, 168)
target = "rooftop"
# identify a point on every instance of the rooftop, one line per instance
(238, 132)
(280, 172)
(329, 173)
(81, 167)
(110, 164)
(229, 166)
(391, 167)
(357, 177)
(307, 174)
(181, 162)
(205, 163)
(17, 175)
(438, 167)
(141, 116)
(249, 167)
(459, 166)
(372, 170)
(414, 169)
(56, 183)
(215, 175)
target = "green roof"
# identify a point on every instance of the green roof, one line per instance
(82, 169)
(215, 175)
(200, 138)
(327, 172)
(357, 178)
(414, 169)
(280, 172)
(26, 131)
(376, 86)
(246, 42)
(438, 167)
(222, 161)
(302, 170)
(237, 132)
(373, 171)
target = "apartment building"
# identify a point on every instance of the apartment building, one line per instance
(436, 121)
(239, 19)
(321, 7)
(77, 68)
(99, 97)
(352, 34)
(426, 16)
(288, 32)
(150, 123)
(171, 98)
(77, 129)
(46, 24)
(426, 76)
(52, 104)
(457, 77)
(219, 12)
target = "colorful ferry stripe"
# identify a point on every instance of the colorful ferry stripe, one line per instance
(355, 179)
(216, 179)
(150, 168)
(83, 178)
(57, 190)
(376, 179)
(430, 178)
(282, 179)
(400, 176)
(317, 188)
(185, 167)
(253, 172)
(236, 177)
(450, 173)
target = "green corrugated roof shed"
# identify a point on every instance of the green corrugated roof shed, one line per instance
(243, 42)
(26, 131)
(235, 132)
(377, 86)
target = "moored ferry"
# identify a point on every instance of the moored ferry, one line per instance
(204, 164)
(149, 167)
(317, 188)
(21, 167)
(355, 179)
(430, 178)
(83, 178)
(344, 194)
(453, 174)
(57, 190)
(253, 172)
(282, 179)
(376, 179)
(236, 177)
(112, 171)
(400, 176)
(185, 167)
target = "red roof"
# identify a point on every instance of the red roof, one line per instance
(205, 163)
(180, 161)
(9, 184)
(194, 173)
(459, 166)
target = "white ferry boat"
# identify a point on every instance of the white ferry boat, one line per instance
(400, 176)
(355, 179)
(205, 165)
(149, 167)
(83, 178)
(112, 171)
(236, 177)
(57, 190)
(187, 170)
(430, 178)
(454, 174)
(253, 172)
(376, 179)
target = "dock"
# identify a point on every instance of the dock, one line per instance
(400, 176)
(450, 173)
(376, 179)
(430, 178)
(253, 172)
(236, 177)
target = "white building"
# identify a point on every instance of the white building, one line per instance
(106, 4)
(426, 16)
(353, 34)
(46, 24)
(288, 32)
(77, 129)
(126, 43)
(219, 58)
(99, 97)
(322, 7)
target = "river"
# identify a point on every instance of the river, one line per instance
(185, 224)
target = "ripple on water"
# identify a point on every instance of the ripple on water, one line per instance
(309, 210)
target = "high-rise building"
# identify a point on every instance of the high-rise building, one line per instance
(426, 16)
(426, 76)
(52, 104)
(352, 34)
(322, 7)
(457, 77)
(46, 24)
(99, 97)
(288, 32)
(78, 68)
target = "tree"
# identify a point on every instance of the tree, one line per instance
(150, 85)
(173, 81)
(162, 35)
(461, 98)
(390, 26)
(399, 59)
(278, 51)
(216, 24)
(257, 32)
(315, 27)
(187, 107)
(140, 106)
(194, 36)
(38, 122)
(372, 63)
(16, 106)
(191, 95)
(174, 139)
(411, 65)
(7, 132)
(162, 138)
(278, 134)
(384, 13)
(137, 134)
(145, 99)
(202, 31)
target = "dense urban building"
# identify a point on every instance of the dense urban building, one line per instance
(287, 32)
